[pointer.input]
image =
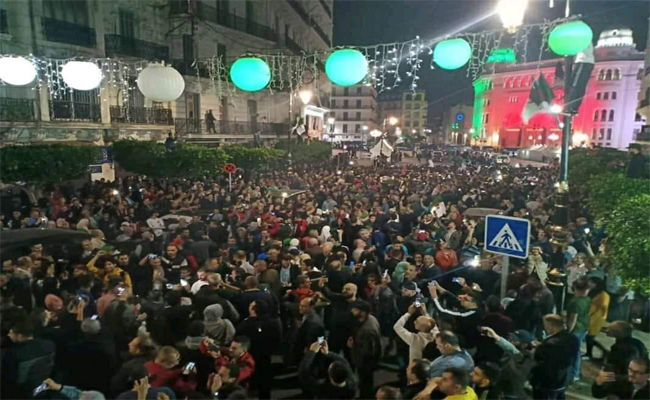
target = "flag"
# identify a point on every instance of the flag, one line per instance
(580, 75)
(539, 100)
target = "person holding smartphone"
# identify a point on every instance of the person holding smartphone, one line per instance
(635, 385)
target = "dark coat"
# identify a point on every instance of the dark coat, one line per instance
(554, 359)
(310, 330)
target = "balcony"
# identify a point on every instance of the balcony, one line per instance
(141, 115)
(212, 14)
(185, 126)
(297, 7)
(67, 32)
(127, 46)
(61, 110)
(17, 109)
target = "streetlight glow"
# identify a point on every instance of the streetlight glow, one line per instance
(393, 120)
(375, 133)
(556, 108)
(330, 120)
(365, 127)
(305, 96)
(512, 13)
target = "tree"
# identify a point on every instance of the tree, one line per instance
(585, 164)
(308, 153)
(606, 191)
(46, 163)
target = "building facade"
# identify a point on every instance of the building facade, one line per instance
(643, 108)
(354, 111)
(607, 116)
(409, 107)
(177, 32)
(457, 124)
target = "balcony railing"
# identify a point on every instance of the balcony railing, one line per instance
(128, 46)
(141, 115)
(211, 14)
(186, 126)
(67, 32)
(71, 111)
(17, 109)
(297, 7)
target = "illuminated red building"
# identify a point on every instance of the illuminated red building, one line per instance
(607, 116)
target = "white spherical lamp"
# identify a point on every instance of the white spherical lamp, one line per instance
(17, 71)
(81, 75)
(160, 83)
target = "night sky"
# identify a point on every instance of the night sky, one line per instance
(367, 22)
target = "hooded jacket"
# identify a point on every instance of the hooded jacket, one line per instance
(217, 328)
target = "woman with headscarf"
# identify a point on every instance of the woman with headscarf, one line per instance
(325, 234)
(220, 330)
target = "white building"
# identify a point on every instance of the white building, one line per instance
(354, 110)
(175, 31)
(643, 107)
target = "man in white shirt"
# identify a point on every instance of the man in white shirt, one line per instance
(425, 327)
(156, 224)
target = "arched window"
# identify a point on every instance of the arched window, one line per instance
(596, 115)
(617, 74)
(611, 115)
(603, 115)
(608, 75)
(512, 82)
(506, 82)
(601, 74)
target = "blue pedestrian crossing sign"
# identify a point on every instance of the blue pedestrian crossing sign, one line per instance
(507, 235)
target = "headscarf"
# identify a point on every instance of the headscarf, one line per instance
(398, 273)
(217, 328)
(325, 234)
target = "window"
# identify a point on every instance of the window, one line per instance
(506, 82)
(602, 134)
(408, 97)
(127, 24)
(603, 115)
(408, 106)
(609, 133)
(636, 134)
(416, 114)
(416, 123)
(617, 74)
(358, 116)
(613, 95)
(346, 91)
(333, 103)
(593, 134)
(72, 11)
(608, 75)
(598, 96)
(357, 128)
(333, 114)
(611, 115)
(606, 96)
(4, 28)
(637, 117)
(358, 103)
(407, 123)
(596, 115)
(345, 128)
(346, 104)
(345, 116)
(601, 75)
(359, 90)
(418, 97)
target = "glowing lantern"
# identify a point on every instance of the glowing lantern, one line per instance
(570, 38)
(17, 71)
(160, 83)
(452, 53)
(250, 74)
(346, 67)
(81, 75)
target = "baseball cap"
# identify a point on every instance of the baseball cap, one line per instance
(522, 335)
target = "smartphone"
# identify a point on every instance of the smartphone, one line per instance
(94, 317)
(151, 256)
(417, 303)
(120, 291)
(188, 368)
(433, 283)
(183, 282)
(40, 388)
(169, 286)
(321, 340)
(385, 274)
(457, 280)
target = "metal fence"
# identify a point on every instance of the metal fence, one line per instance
(72, 111)
(186, 126)
(17, 109)
(141, 115)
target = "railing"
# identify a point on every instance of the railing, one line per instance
(351, 107)
(199, 126)
(124, 45)
(211, 14)
(17, 109)
(141, 115)
(71, 111)
(67, 32)
(295, 4)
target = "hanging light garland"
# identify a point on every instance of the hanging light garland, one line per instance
(383, 66)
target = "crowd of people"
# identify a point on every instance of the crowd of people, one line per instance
(186, 289)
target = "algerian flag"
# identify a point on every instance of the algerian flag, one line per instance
(580, 75)
(539, 100)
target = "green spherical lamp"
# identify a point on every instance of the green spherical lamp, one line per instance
(250, 74)
(452, 53)
(570, 38)
(346, 67)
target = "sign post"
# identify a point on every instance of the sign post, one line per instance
(230, 169)
(509, 237)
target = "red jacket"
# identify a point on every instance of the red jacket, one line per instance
(160, 376)
(245, 362)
